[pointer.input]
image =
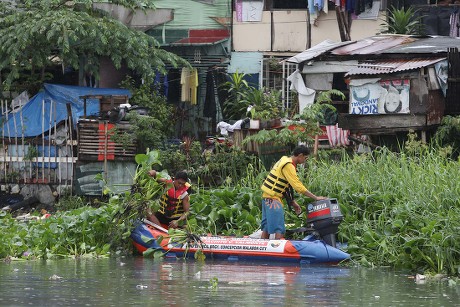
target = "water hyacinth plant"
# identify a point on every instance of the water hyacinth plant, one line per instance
(400, 210)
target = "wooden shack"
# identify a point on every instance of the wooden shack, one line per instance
(409, 72)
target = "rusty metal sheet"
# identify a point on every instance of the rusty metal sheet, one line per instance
(391, 66)
(316, 51)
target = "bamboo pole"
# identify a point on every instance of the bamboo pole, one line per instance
(49, 139)
(56, 150)
(3, 142)
(16, 140)
(106, 145)
(315, 148)
(43, 141)
(66, 156)
(22, 137)
(69, 115)
(8, 128)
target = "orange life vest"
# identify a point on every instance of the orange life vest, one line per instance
(171, 202)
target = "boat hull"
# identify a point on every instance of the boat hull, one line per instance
(145, 237)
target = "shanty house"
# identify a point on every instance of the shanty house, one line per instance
(393, 83)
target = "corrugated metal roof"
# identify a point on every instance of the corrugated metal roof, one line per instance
(390, 66)
(203, 37)
(315, 51)
(435, 44)
(374, 45)
(379, 45)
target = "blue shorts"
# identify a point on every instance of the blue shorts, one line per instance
(272, 216)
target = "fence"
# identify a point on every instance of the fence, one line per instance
(45, 158)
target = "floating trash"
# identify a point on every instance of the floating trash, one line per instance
(141, 287)
(55, 277)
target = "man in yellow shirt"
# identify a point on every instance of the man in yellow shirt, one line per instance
(282, 176)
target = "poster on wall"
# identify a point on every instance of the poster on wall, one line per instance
(249, 10)
(381, 97)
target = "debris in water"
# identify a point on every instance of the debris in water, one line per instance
(141, 287)
(55, 277)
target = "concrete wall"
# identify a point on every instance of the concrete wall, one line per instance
(290, 31)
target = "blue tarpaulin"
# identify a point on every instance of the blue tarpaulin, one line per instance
(48, 108)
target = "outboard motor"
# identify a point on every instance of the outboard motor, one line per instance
(324, 216)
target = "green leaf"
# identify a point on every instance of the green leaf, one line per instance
(148, 240)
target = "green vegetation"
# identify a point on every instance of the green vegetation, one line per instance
(37, 37)
(302, 127)
(401, 210)
(402, 21)
(264, 103)
(149, 131)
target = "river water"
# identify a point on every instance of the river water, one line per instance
(137, 281)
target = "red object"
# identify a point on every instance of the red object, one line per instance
(321, 137)
(203, 37)
(326, 212)
(103, 152)
(324, 135)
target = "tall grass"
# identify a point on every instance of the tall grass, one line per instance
(401, 210)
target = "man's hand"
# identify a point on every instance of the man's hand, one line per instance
(297, 207)
(173, 224)
(320, 197)
(152, 173)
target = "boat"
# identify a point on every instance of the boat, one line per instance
(148, 236)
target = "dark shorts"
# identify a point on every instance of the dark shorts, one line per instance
(163, 218)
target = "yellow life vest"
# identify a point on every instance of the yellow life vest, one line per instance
(276, 183)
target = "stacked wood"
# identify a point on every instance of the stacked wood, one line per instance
(95, 141)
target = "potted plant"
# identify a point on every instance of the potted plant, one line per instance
(303, 127)
(264, 106)
(402, 21)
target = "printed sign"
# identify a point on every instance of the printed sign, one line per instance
(239, 245)
(383, 97)
(249, 10)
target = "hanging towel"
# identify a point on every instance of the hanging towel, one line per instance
(337, 136)
(193, 86)
(454, 24)
(185, 84)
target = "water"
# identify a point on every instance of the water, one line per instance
(136, 281)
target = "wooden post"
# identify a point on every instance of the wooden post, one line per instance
(315, 147)
(69, 116)
(344, 24)
(423, 137)
(106, 145)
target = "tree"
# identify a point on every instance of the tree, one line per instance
(38, 34)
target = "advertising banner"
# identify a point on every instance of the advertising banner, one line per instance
(382, 97)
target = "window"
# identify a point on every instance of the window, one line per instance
(286, 4)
